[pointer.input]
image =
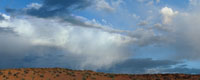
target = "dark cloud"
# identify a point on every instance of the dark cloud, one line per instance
(10, 10)
(1, 17)
(63, 9)
(6, 30)
(64, 4)
(140, 66)
(182, 70)
(51, 8)
(32, 59)
(38, 56)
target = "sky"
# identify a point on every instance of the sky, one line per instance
(112, 36)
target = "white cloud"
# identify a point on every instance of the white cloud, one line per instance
(157, 1)
(150, 3)
(135, 16)
(4, 22)
(194, 2)
(103, 5)
(116, 3)
(167, 14)
(5, 16)
(34, 6)
(106, 5)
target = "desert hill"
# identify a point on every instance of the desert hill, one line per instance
(67, 74)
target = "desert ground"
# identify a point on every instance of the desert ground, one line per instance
(68, 74)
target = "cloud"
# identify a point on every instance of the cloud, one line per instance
(141, 1)
(50, 35)
(103, 5)
(163, 28)
(84, 22)
(6, 30)
(143, 23)
(4, 16)
(135, 16)
(186, 33)
(157, 1)
(95, 48)
(1, 17)
(146, 37)
(182, 30)
(62, 10)
(182, 70)
(150, 66)
(141, 66)
(167, 14)
(88, 44)
(51, 8)
(194, 2)
(52, 25)
(149, 2)
(107, 5)
(34, 6)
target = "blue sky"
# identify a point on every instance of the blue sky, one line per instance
(112, 36)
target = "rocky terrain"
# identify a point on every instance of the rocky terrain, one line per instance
(67, 74)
